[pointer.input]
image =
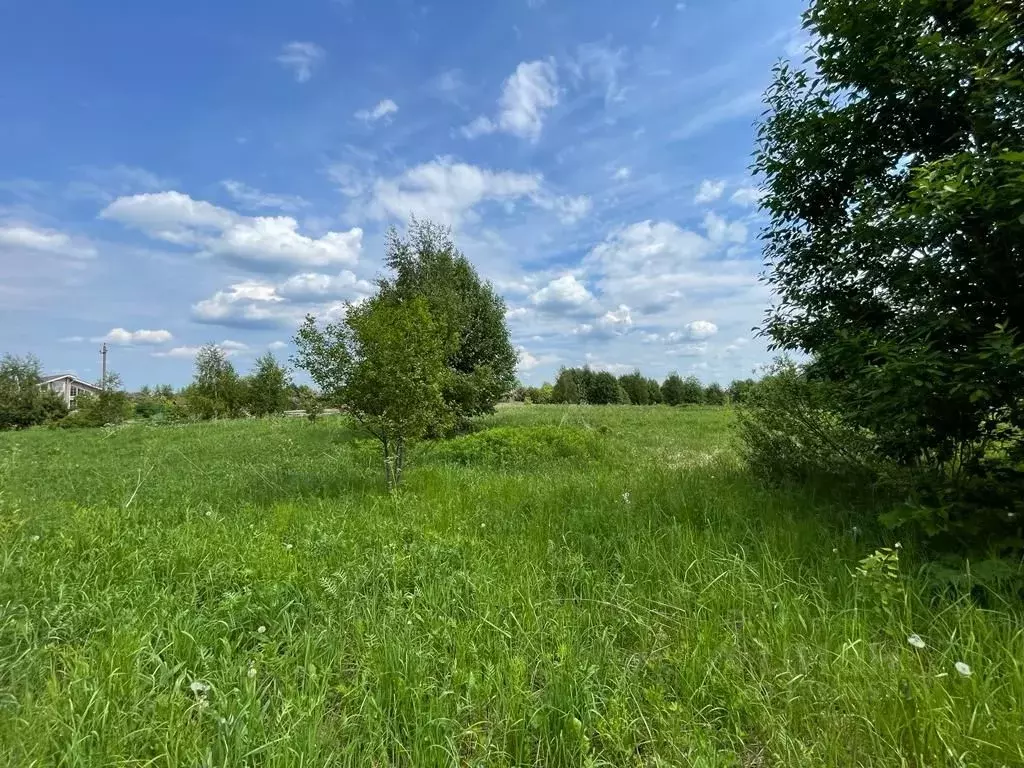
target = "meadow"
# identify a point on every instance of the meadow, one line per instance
(566, 586)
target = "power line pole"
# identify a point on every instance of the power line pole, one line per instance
(103, 357)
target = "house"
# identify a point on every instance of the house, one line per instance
(68, 387)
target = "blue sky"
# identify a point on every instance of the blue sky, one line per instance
(173, 174)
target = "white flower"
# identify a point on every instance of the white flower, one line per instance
(835, 550)
(483, 525)
(898, 545)
(916, 641)
(963, 669)
(36, 537)
(288, 546)
(198, 687)
(209, 513)
(251, 673)
(261, 629)
(625, 497)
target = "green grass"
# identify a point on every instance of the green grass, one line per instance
(569, 586)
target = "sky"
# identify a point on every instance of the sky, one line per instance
(176, 174)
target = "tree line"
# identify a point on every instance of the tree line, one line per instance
(585, 385)
(216, 391)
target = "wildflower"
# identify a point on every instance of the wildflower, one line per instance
(625, 497)
(209, 513)
(287, 546)
(483, 525)
(963, 669)
(855, 530)
(35, 537)
(835, 550)
(261, 629)
(898, 545)
(199, 688)
(251, 673)
(916, 641)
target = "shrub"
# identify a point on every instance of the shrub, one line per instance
(787, 433)
(518, 446)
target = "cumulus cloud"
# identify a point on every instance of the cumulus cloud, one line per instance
(709, 191)
(29, 239)
(258, 242)
(700, 329)
(622, 174)
(721, 231)
(612, 323)
(564, 295)
(528, 94)
(747, 196)
(528, 361)
(383, 111)
(444, 191)
(123, 337)
(301, 58)
(229, 347)
(447, 192)
(262, 304)
(252, 198)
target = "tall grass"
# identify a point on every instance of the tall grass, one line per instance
(245, 593)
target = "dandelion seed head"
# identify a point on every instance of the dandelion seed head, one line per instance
(916, 641)
(198, 687)
(963, 669)
(261, 629)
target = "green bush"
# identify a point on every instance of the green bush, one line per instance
(519, 446)
(787, 433)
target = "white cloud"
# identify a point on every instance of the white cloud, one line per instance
(622, 174)
(249, 304)
(123, 337)
(264, 304)
(25, 238)
(528, 361)
(229, 347)
(700, 329)
(528, 94)
(250, 197)
(313, 286)
(383, 110)
(748, 196)
(258, 242)
(301, 58)
(721, 231)
(564, 295)
(277, 345)
(104, 184)
(612, 323)
(709, 191)
(569, 209)
(444, 191)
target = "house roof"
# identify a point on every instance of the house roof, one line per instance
(55, 376)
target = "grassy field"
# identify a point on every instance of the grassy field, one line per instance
(568, 586)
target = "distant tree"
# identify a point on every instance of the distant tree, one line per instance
(567, 387)
(604, 389)
(310, 402)
(714, 394)
(267, 387)
(585, 379)
(545, 394)
(23, 403)
(739, 389)
(386, 364)
(636, 387)
(672, 389)
(216, 390)
(111, 405)
(692, 392)
(654, 392)
(468, 314)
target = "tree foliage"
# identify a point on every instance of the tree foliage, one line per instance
(894, 171)
(216, 390)
(268, 387)
(636, 387)
(672, 389)
(23, 403)
(468, 314)
(567, 387)
(386, 364)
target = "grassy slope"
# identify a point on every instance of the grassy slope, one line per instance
(487, 616)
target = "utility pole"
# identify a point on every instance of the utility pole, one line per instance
(103, 368)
